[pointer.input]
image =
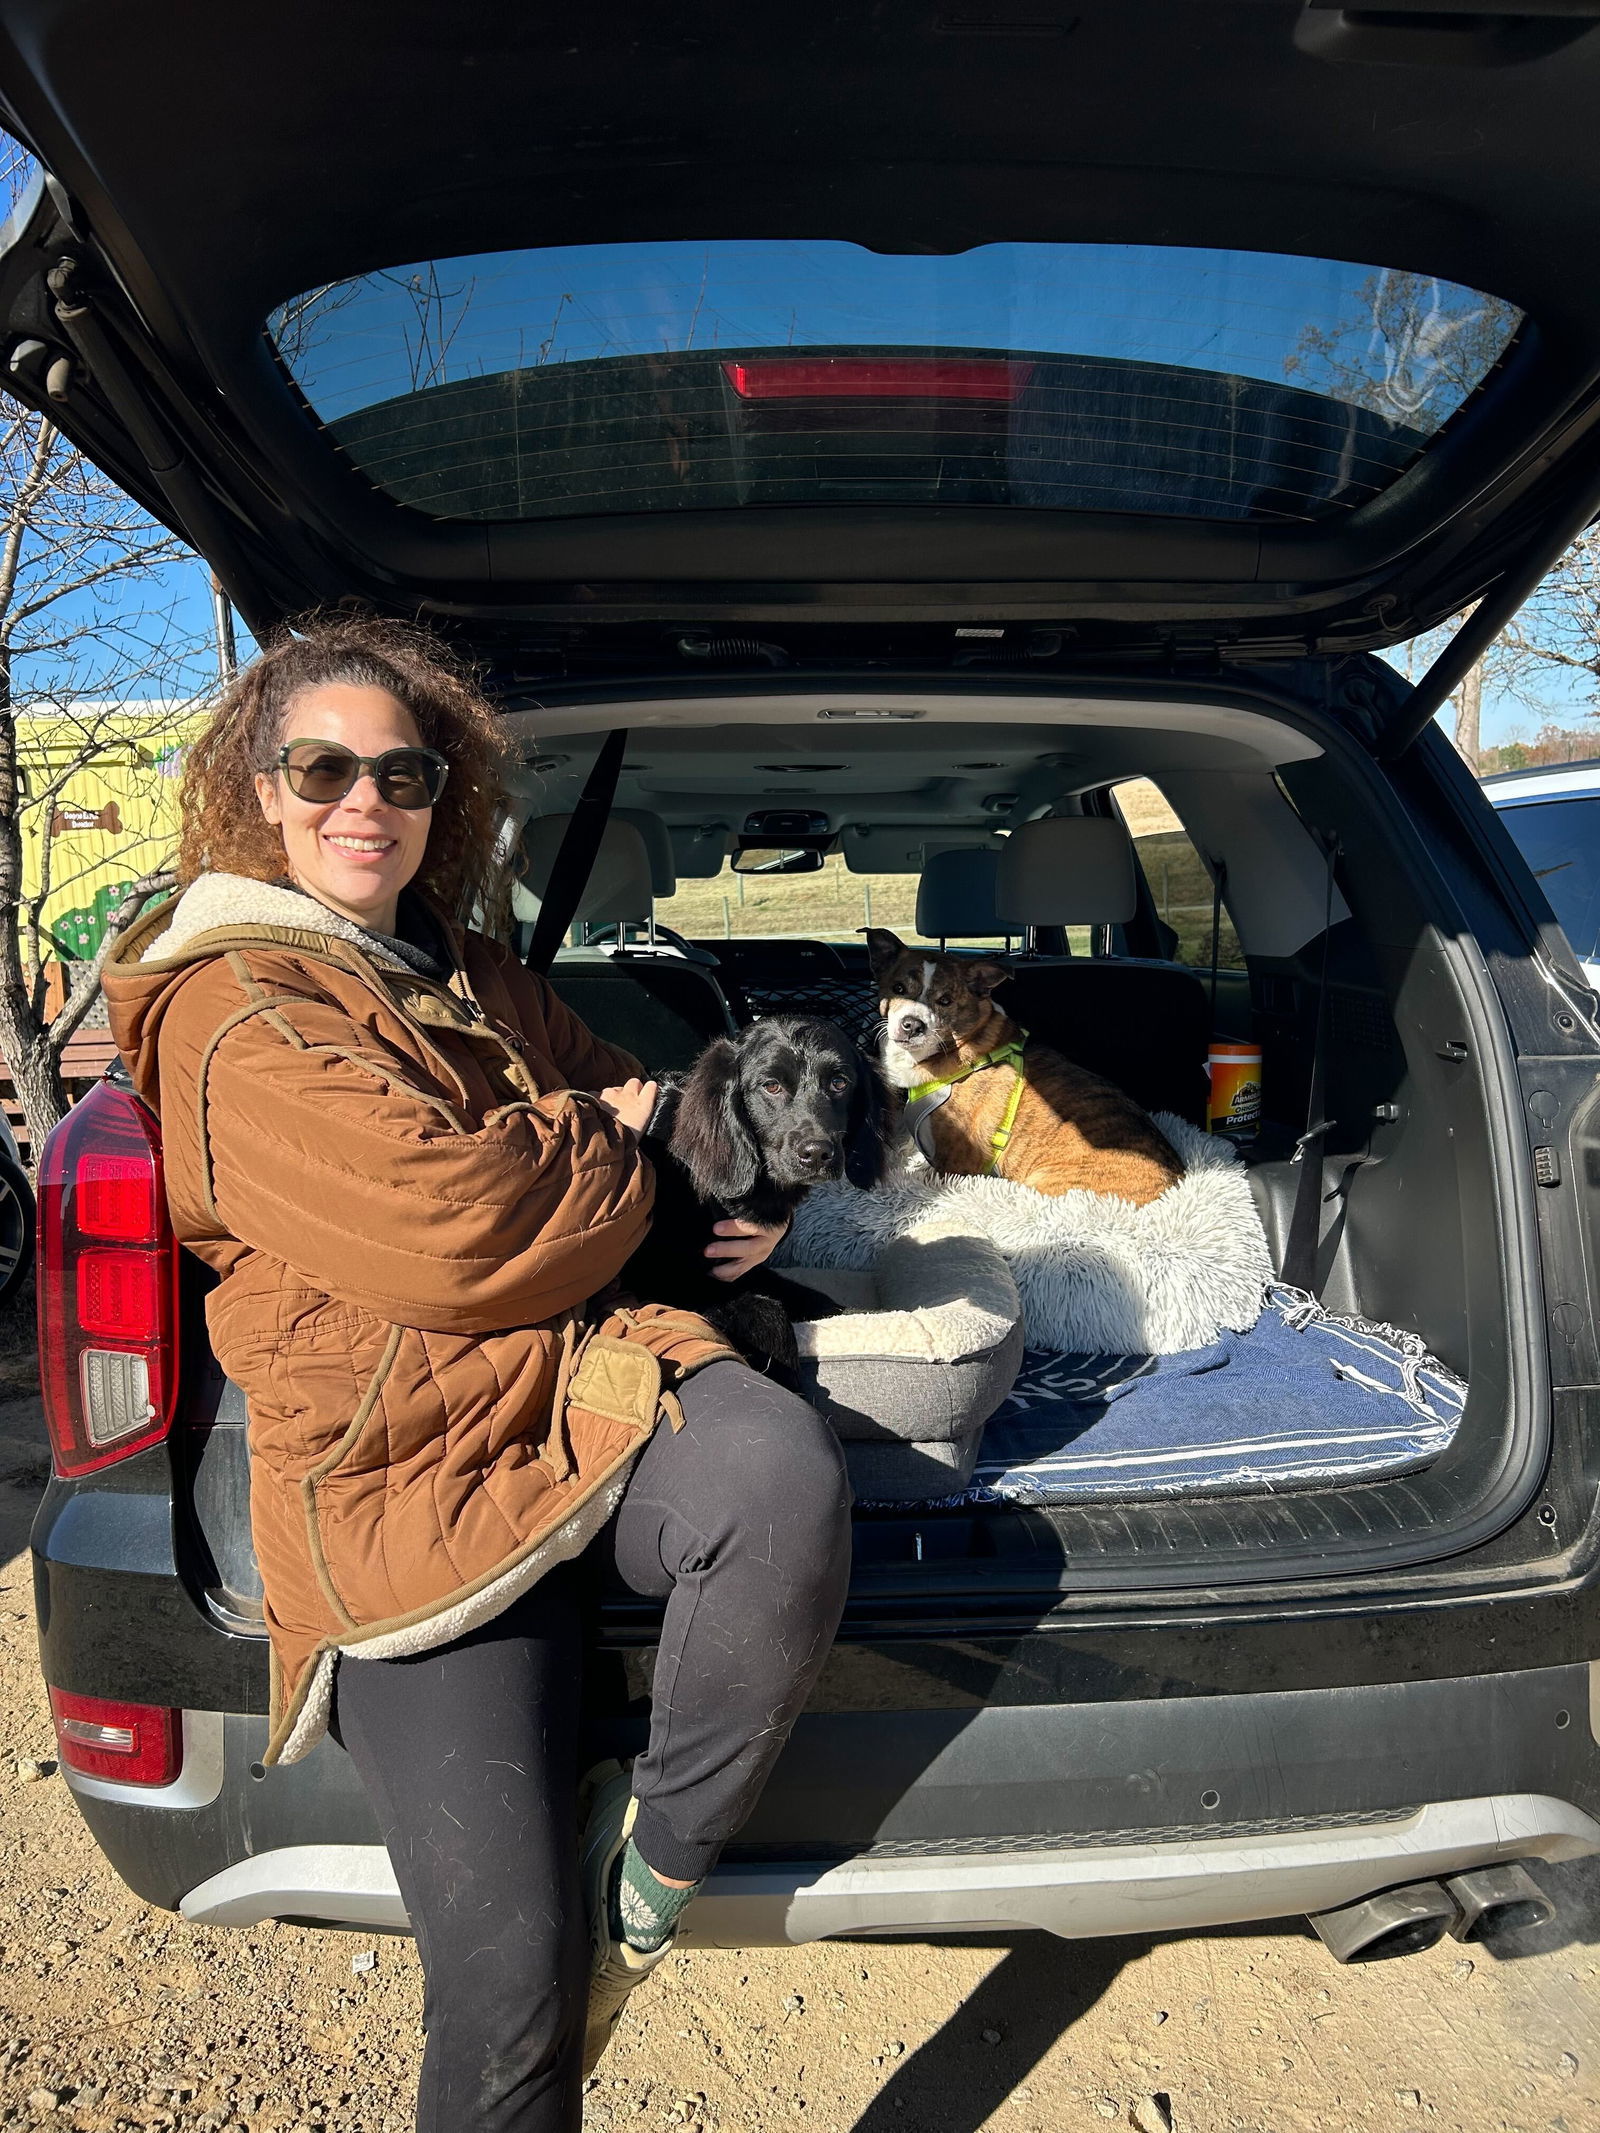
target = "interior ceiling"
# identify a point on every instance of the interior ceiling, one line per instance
(948, 773)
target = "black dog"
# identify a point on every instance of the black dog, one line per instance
(759, 1120)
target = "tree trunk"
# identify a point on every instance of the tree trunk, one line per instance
(1469, 707)
(35, 1074)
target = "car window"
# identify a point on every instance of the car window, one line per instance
(833, 904)
(1180, 887)
(1560, 839)
(684, 375)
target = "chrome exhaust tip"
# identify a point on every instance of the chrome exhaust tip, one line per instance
(1497, 1899)
(1400, 1921)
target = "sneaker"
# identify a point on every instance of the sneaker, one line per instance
(614, 1967)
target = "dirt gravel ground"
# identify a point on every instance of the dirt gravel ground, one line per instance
(113, 2016)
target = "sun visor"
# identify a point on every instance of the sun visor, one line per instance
(699, 848)
(903, 847)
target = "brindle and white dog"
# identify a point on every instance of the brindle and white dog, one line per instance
(1069, 1130)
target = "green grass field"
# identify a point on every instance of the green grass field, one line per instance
(831, 905)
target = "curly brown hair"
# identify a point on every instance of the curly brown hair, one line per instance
(222, 827)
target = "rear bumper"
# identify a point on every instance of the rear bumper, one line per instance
(1078, 1892)
(1078, 1817)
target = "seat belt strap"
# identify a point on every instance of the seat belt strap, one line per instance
(1305, 1216)
(574, 861)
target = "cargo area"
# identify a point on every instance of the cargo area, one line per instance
(1421, 1204)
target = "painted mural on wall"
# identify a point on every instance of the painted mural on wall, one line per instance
(92, 828)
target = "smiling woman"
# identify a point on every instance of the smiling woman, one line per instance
(415, 1178)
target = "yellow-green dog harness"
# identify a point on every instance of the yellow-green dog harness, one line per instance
(925, 1097)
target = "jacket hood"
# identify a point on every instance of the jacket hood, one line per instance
(217, 913)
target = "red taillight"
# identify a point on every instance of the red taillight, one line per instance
(879, 378)
(140, 1743)
(116, 1197)
(108, 1274)
(118, 1294)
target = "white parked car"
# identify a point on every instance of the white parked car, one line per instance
(1553, 813)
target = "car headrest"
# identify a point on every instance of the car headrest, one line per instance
(619, 881)
(1068, 870)
(657, 842)
(955, 897)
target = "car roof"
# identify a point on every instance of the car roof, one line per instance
(1546, 781)
(212, 163)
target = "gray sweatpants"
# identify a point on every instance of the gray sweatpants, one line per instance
(741, 1523)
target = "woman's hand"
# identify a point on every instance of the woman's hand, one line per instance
(746, 1245)
(633, 1103)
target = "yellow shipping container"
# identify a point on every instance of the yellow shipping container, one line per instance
(99, 809)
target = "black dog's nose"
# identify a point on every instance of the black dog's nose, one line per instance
(812, 1155)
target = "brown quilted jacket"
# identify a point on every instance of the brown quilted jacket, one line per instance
(410, 1198)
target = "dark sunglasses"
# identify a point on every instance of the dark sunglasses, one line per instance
(320, 771)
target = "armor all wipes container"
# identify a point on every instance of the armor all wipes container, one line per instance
(1234, 1070)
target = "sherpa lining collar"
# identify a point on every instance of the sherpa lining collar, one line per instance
(216, 901)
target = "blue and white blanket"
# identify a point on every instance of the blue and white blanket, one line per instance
(1302, 1399)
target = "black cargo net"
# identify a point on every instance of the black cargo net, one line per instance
(847, 1001)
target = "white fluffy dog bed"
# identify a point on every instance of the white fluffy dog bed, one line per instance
(1096, 1275)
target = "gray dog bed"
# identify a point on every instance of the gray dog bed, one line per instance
(926, 1349)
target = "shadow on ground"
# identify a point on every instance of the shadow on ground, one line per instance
(1043, 1987)
(960, 2077)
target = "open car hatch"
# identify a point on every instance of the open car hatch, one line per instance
(1253, 331)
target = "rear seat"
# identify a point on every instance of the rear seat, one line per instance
(1145, 1026)
(656, 1005)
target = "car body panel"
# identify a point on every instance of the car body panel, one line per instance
(1511, 791)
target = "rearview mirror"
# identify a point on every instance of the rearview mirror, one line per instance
(776, 859)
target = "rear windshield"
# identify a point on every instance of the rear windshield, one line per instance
(678, 376)
(1560, 839)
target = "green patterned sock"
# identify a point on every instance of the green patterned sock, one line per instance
(643, 1909)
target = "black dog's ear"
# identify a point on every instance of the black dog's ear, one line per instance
(865, 1151)
(882, 948)
(985, 974)
(711, 1136)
